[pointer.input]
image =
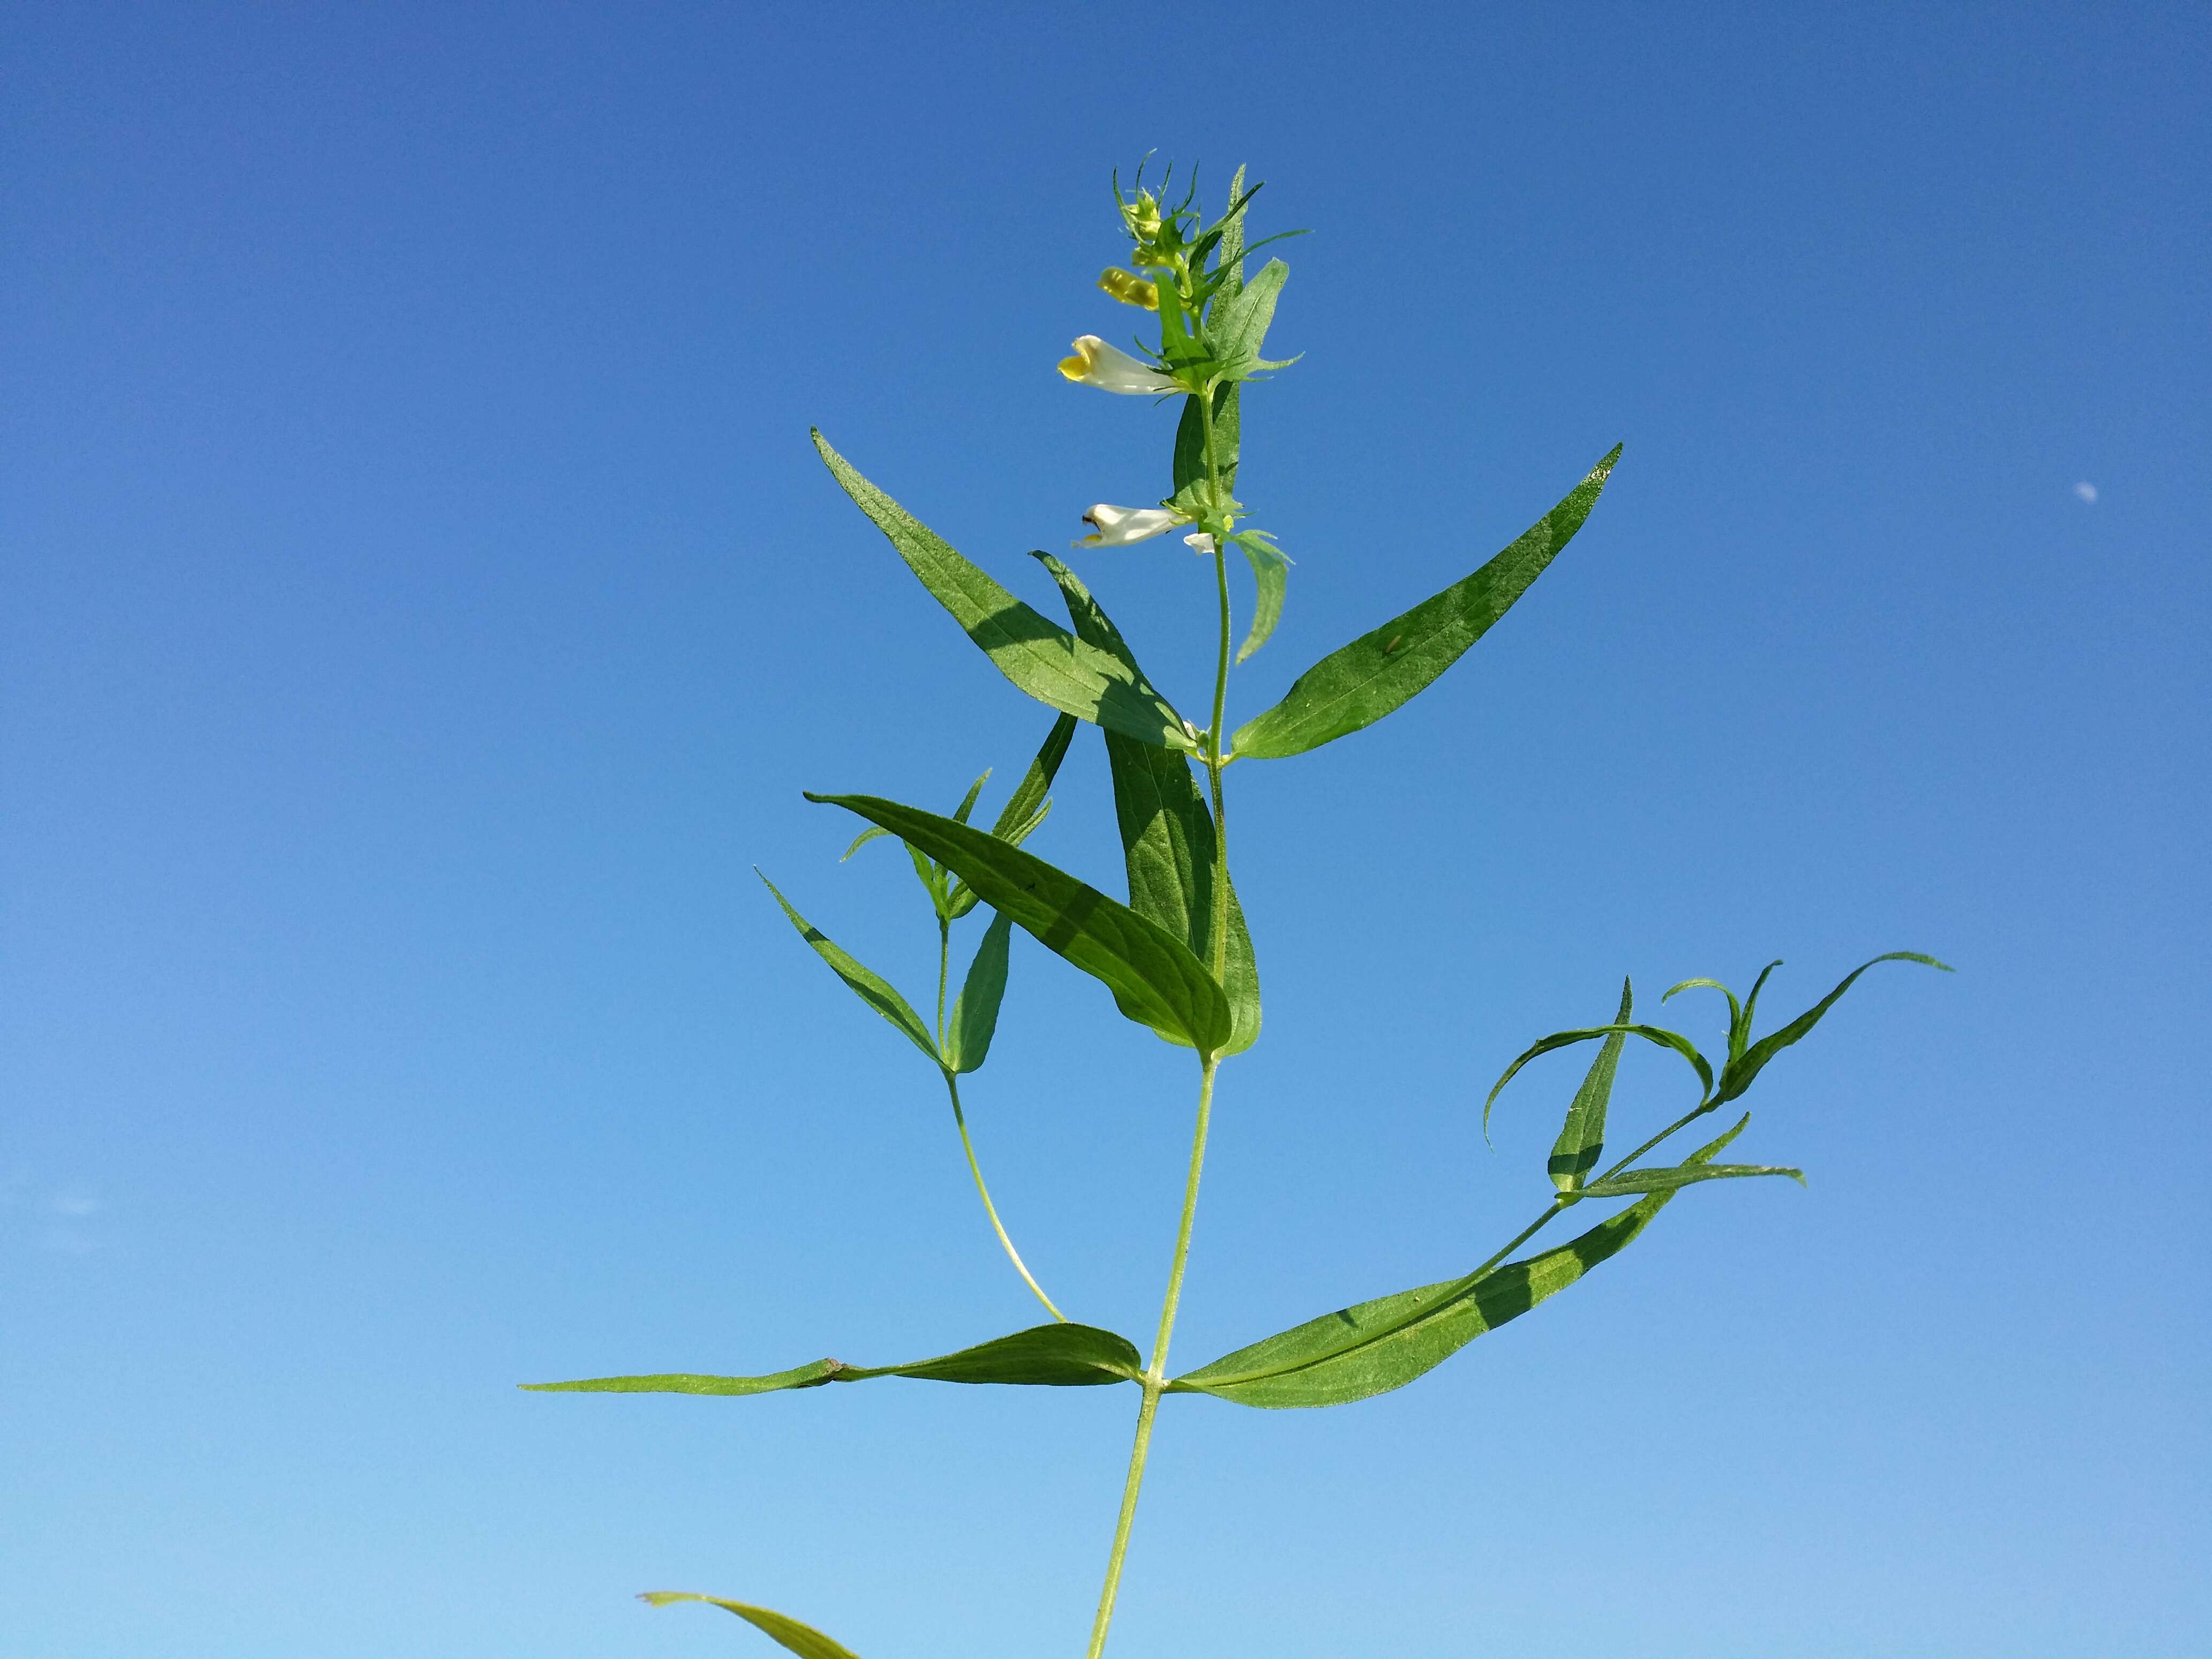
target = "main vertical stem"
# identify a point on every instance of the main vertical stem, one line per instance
(1154, 1382)
(1155, 1378)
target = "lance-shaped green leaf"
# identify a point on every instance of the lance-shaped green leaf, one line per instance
(1737, 1077)
(1167, 832)
(1630, 1183)
(1190, 469)
(1270, 575)
(1155, 978)
(1058, 1356)
(1582, 1137)
(1375, 1346)
(1666, 1039)
(975, 1009)
(1025, 808)
(1043, 659)
(1377, 672)
(803, 1640)
(873, 988)
(1239, 325)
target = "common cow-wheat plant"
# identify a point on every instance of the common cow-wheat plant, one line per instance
(1177, 957)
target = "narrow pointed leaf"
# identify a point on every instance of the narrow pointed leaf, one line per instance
(1026, 807)
(1666, 1039)
(1043, 659)
(1373, 1347)
(967, 802)
(1058, 1356)
(1167, 832)
(859, 840)
(1629, 1183)
(1737, 1078)
(871, 987)
(1582, 1137)
(975, 1009)
(1270, 575)
(1155, 978)
(803, 1640)
(1378, 672)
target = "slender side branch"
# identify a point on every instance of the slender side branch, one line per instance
(960, 1118)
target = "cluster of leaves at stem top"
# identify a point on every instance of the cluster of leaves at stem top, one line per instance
(1177, 957)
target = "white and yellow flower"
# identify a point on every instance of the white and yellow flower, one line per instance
(1118, 527)
(1110, 369)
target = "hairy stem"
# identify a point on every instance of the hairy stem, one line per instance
(1156, 1372)
(960, 1120)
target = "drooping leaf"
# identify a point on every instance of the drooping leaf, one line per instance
(859, 840)
(873, 988)
(975, 1009)
(1167, 832)
(1375, 1346)
(1270, 575)
(803, 1640)
(1044, 660)
(1358, 685)
(1059, 1356)
(1156, 978)
(1666, 1039)
(1582, 1137)
(1026, 807)
(1738, 1075)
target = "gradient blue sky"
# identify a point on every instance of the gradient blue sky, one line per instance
(424, 607)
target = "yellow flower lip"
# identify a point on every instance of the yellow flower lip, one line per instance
(1110, 369)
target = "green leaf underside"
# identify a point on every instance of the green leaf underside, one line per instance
(1167, 833)
(873, 988)
(1582, 1137)
(1038, 656)
(801, 1639)
(1156, 978)
(1057, 1355)
(975, 1009)
(1190, 443)
(1380, 671)
(1375, 1346)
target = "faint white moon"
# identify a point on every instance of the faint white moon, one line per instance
(2088, 492)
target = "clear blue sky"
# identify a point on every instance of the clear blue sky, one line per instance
(424, 608)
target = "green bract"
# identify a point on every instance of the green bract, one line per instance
(1178, 957)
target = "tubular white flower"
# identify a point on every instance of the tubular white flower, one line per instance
(1111, 370)
(1117, 527)
(1200, 543)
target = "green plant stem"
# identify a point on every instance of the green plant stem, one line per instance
(960, 1120)
(1154, 1380)
(944, 964)
(1681, 1122)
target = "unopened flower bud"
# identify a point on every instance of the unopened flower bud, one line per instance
(1130, 289)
